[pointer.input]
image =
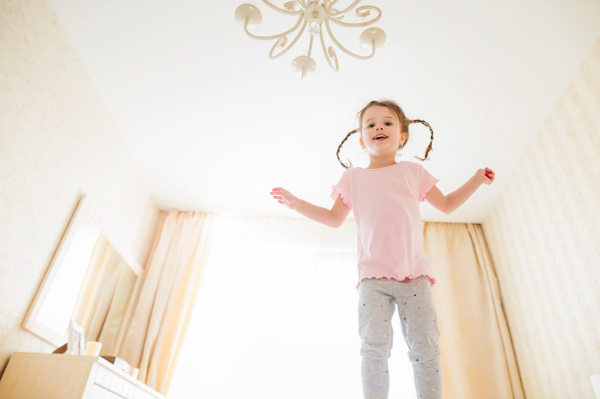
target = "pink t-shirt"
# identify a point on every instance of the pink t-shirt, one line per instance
(387, 215)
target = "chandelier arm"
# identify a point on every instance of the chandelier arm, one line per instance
(271, 56)
(274, 7)
(360, 57)
(309, 49)
(331, 4)
(272, 37)
(335, 21)
(334, 14)
(302, 6)
(330, 55)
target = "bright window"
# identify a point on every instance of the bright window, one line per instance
(277, 318)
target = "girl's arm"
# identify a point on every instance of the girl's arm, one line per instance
(332, 218)
(449, 203)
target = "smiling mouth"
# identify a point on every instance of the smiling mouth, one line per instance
(380, 139)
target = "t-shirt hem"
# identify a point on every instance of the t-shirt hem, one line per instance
(336, 192)
(432, 280)
(422, 197)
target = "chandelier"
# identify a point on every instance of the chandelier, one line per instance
(313, 13)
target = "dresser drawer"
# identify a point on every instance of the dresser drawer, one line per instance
(101, 393)
(119, 385)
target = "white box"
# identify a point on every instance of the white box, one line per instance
(595, 380)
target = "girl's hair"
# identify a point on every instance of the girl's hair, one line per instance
(403, 122)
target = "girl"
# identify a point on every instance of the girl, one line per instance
(393, 269)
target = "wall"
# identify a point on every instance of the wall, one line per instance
(544, 237)
(57, 142)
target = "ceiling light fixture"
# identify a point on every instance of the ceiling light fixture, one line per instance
(313, 13)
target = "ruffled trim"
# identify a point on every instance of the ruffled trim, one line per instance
(422, 198)
(335, 194)
(432, 280)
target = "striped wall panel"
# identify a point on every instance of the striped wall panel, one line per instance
(544, 237)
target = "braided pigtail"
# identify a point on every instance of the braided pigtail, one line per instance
(340, 147)
(430, 147)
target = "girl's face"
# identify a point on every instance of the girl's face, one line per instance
(377, 121)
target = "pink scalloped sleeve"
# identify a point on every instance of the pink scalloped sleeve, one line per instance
(426, 182)
(342, 188)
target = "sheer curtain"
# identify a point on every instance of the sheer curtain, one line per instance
(165, 303)
(276, 316)
(478, 358)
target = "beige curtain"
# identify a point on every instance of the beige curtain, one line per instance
(478, 359)
(104, 295)
(166, 301)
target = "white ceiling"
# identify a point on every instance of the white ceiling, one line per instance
(214, 124)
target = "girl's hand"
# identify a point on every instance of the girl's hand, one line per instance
(486, 175)
(285, 197)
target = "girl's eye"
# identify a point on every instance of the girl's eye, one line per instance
(387, 123)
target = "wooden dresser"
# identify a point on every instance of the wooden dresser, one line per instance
(53, 376)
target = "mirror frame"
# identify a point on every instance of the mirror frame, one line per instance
(30, 323)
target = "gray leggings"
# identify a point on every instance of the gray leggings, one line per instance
(377, 301)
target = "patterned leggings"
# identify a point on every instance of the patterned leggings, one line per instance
(377, 301)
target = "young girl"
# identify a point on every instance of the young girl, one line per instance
(393, 269)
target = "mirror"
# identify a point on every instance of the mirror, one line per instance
(88, 282)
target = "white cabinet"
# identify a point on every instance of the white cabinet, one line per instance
(53, 376)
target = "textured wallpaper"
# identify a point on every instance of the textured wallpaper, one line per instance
(57, 141)
(544, 237)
